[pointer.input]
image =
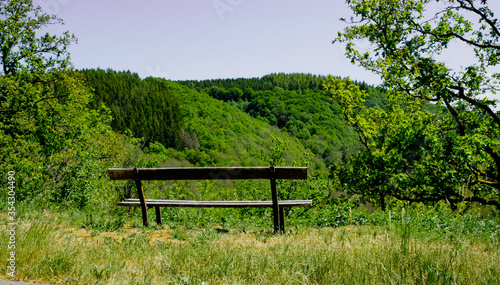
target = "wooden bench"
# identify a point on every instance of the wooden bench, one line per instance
(211, 173)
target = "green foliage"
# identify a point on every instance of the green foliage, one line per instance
(296, 103)
(284, 81)
(415, 152)
(144, 107)
(57, 146)
(22, 47)
(226, 134)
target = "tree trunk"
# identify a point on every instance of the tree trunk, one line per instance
(382, 201)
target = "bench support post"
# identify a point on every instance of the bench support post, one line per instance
(140, 192)
(282, 219)
(158, 215)
(276, 210)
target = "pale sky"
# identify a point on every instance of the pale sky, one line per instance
(206, 39)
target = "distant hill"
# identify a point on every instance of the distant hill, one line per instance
(294, 81)
(295, 103)
(194, 127)
(143, 107)
(227, 134)
(229, 121)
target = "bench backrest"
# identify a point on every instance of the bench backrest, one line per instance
(207, 173)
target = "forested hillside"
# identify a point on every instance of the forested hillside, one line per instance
(194, 125)
(203, 130)
(144, 107)
(294, 81)
(297, 104)
(224, 135)
(191, 127)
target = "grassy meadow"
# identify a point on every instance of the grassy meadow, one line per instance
(412, 246)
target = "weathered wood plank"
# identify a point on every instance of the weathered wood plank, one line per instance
(208, 173)
(215, 204)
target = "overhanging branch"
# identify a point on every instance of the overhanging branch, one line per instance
(486, 108)
(453, 112)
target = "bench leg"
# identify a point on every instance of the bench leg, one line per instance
(274, 195)
(144, 207)
(158, 215)
(140, 193)
(282, 220)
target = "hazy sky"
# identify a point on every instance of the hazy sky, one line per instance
(204, 39)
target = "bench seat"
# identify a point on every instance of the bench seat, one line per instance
(215, 204)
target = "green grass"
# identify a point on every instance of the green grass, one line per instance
(77, 247)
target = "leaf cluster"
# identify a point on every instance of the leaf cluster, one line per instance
(22, 48)
(446, 151)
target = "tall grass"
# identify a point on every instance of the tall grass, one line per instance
(407, 247)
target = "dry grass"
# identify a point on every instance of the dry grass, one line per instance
(53, 252)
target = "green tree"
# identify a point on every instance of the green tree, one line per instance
(447, 150)
(57, 146)
(21, 48)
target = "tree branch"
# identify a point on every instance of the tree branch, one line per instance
(30, 105)
(475, 10)
(453, 112)
(486, 108)
(496, 158)
(419, 28)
